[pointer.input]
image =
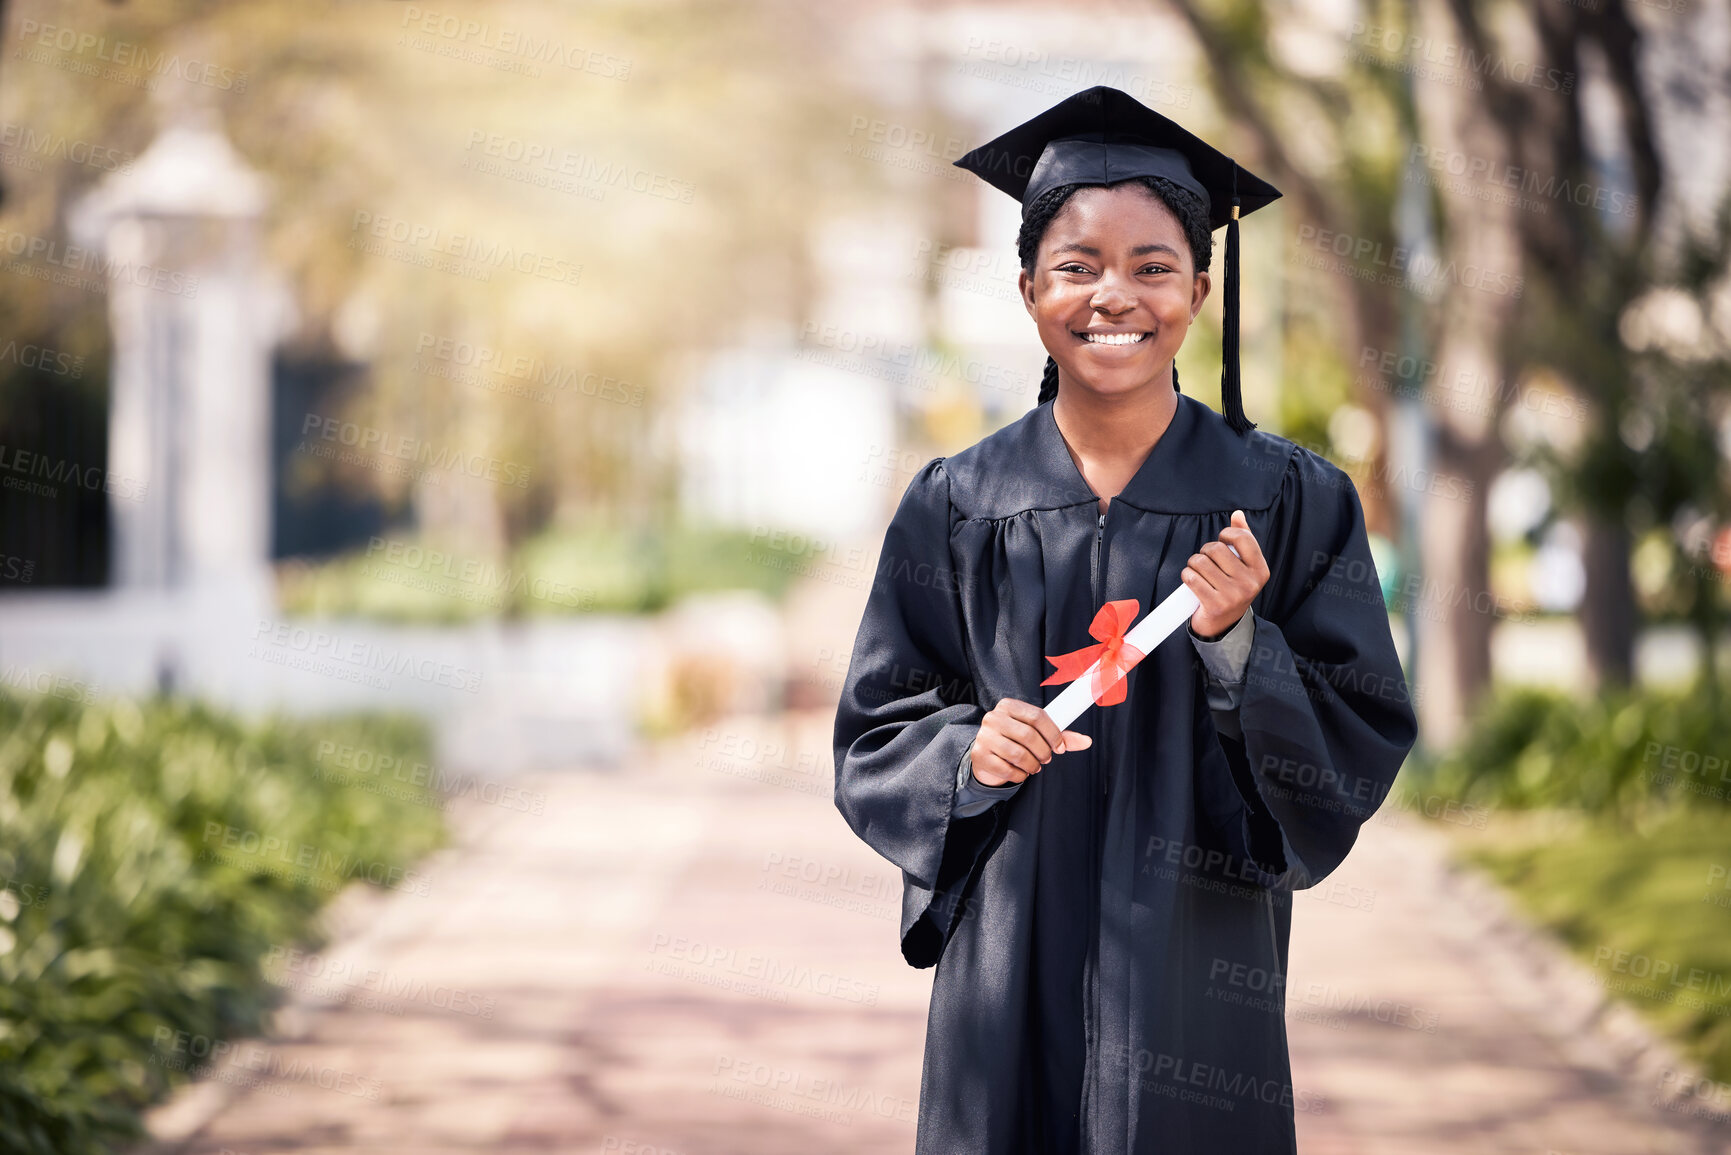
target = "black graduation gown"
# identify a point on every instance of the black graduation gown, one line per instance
(1111, 941)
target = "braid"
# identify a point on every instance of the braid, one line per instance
(1192, 216)
(1048, 383)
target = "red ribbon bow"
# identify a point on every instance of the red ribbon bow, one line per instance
(1116, 656)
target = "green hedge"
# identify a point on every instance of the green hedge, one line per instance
(1628, 754)
(1627, 850)
(586, 569)
(151, 855)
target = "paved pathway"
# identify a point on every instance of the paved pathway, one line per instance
(698, 958)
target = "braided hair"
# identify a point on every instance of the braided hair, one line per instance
(1192, 216)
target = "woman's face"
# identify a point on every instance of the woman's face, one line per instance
(1113, 264)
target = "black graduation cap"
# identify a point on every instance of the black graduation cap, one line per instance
(1102, 136)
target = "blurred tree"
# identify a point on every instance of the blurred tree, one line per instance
(1337, 135)
(1655, 465)
(588, 193)
(1507, 95)
(1587, 264)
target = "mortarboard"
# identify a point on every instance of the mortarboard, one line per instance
(1102, 136)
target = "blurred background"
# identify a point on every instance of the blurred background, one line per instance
(444, 450)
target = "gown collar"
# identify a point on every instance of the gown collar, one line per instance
(1199, 465)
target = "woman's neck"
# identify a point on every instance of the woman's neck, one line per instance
(1110, 437)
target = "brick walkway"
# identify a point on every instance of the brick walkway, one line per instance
(699, 957)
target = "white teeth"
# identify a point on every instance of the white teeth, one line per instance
(1114, 338)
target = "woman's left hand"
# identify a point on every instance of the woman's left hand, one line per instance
(1225, 582)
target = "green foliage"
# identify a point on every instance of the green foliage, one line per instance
(1645, 910)
(151, 856)
(1616, 835)
(1630, 754)
(587, 569)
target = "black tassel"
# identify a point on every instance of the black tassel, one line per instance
(1231, 393)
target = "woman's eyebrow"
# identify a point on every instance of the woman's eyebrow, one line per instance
(1090, 250)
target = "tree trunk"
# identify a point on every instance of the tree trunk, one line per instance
(1607, 610)
(1456, 610)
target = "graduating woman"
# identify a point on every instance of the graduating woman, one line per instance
(1109, 907)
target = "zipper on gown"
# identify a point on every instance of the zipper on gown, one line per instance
(1091, 962)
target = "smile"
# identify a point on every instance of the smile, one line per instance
(1111, 338)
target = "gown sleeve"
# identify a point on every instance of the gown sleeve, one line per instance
(906, 716)
(1325, 717)
(973, 796)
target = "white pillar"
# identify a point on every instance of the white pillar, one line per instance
(189, 428)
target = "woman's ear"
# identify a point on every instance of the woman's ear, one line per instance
(1199, 293)
(1025, 284)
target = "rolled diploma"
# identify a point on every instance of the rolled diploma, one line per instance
(1155, 627)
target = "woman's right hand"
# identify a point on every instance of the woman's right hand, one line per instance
(1016, 739)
